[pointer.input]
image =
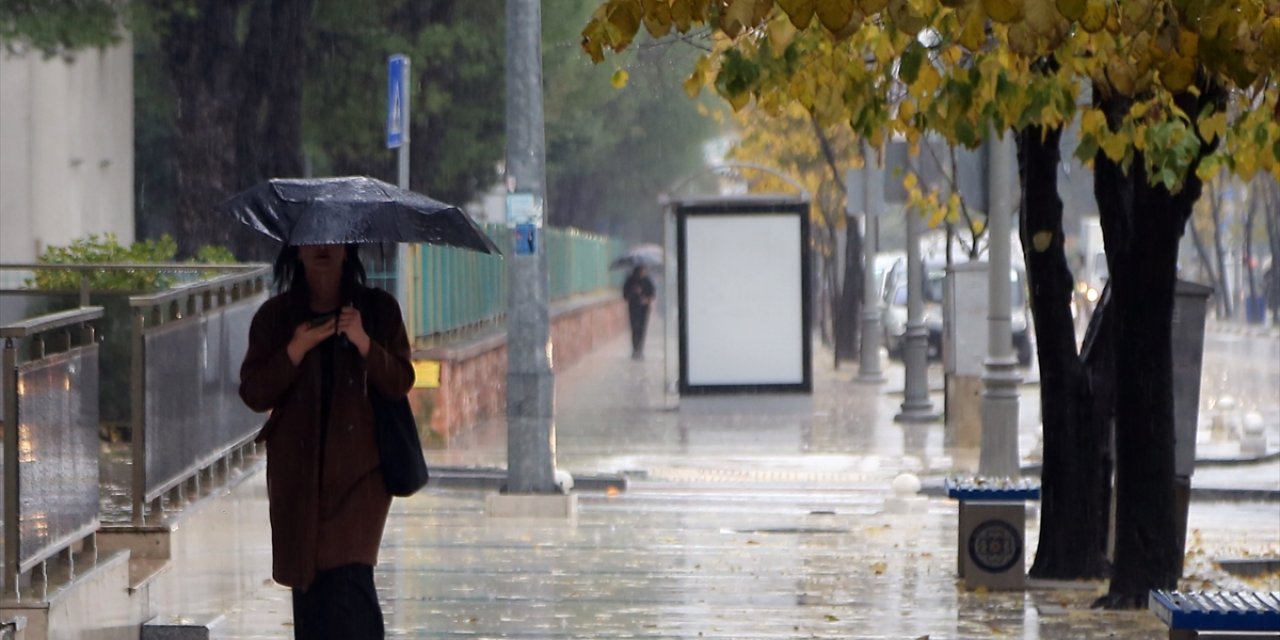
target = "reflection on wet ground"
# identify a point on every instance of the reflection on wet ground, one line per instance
(757, 518)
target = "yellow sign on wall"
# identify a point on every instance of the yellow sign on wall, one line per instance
(426, 374)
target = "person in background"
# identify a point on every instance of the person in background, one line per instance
(311, 362)
(639, 292)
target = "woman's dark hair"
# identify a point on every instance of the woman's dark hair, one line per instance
(290, 276)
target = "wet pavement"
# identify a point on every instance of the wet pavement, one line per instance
(755, 517)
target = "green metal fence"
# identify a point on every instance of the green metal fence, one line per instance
(461, 289)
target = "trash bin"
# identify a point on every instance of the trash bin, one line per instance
(1190, 305)
(1255, 309)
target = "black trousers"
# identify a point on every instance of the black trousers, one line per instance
(639, 323)
(341, 604)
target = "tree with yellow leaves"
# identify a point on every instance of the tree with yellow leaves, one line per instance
(1166, 91)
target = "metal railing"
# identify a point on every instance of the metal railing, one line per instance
(457, 290)
(51, 494)
(85, 272)
(187, 416)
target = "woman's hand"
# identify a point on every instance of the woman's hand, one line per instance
(351, 325)
(306, 337)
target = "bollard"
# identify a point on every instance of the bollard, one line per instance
(1253, 442)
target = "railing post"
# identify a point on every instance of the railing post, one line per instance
(11, 528)
(136, 421)
(84, 288)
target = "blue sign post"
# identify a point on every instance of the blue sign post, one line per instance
(398, 139)
(397, 101)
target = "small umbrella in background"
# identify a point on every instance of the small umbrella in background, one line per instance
(648, 255)
(352, 210)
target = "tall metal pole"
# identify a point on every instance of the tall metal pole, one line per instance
(530, 383)
(1000, 378)
(916, 406)
(405, 291)
(872, 206)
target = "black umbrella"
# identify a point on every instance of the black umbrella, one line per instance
(350, 210)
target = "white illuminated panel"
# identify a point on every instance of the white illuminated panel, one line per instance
(743, 282)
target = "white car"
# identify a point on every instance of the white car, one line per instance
(894, 314)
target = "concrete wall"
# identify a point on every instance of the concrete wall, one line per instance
(473, 375)
(66, 149)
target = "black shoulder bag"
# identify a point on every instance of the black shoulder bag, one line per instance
(404, 467)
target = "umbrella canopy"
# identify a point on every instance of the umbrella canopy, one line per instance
(648, 255)
(354, 209)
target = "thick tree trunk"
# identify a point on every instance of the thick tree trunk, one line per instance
(202, 54)
(239, 111)
(1141, 226)
(846, 318)
(1225, 297)
(1207, 265)
(1269, 193)
(1075, 495)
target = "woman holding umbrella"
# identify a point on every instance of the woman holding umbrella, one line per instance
(315, 351)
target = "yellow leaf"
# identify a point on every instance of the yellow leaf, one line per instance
(657, 17)
(1212, 126)
(1188, 43)
(936, 217)
(927, 82)
(622, 23)
(973, 33)
(1003, 11)
(799, 12)
(781, 33)
(1095, 16)
(1115, 145)
(1042, 16)
(906, 17)
(742, 12)
(693, 84)
(619, 79)
(1177, 73)
(1041, 240)
(1071, 9)
(1092, 122)
(834, 14)
(739, 100)
(872, 6)
(682, 14)
(1246, 162)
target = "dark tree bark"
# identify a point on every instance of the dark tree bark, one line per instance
(846, 318)
(845, 315)
(1075, 489)
(1141, 226)
(1269, 193)
(1203, 255)
(1250, 266)
(1225, 299)
(202, 53)
(239, 110)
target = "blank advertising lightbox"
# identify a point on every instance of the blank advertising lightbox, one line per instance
(744, 295)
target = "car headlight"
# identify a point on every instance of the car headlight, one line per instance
(1091, 295)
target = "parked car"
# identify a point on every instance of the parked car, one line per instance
(894, 314)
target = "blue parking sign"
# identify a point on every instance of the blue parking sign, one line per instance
(397, 101)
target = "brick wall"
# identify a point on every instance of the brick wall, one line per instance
(473, 375)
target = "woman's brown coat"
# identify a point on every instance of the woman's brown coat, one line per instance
(316, 527)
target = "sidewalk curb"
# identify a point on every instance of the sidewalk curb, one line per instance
(932, 487)
(493, 478)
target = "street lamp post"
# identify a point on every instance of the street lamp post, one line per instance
(1000, 378)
